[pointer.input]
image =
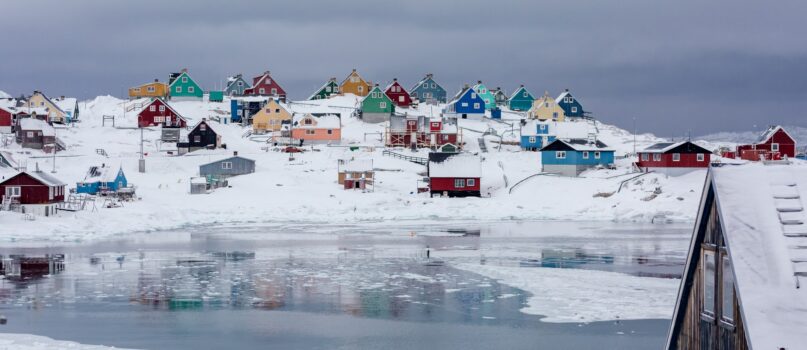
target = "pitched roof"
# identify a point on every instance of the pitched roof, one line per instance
(767, 134)
(316, 92)
(686, 146)
(36, 124)
(763, 223)
(41, 176)
(530, 128)
(50, 101)
(517, 92)
(355, 165)
(562, 95)
(459, 95)
(578, 145)
(424, 80)
(228, 159)
(164, 102)
(327, 121)
(102, 174)
(67, 103)
(454, 165)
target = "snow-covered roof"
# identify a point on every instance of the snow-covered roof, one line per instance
(101, 174)
(66, 104)
(332, 80)
(36, 124)
(458, 96)
(530, 128)
(580, 145)
(767, 134)
(561, 96)
(8, 158)
(31, 111)
(328, 121)
(252, 98)
(45, 178)
(198, 180)
(458, 165)
(764, 225)
(664, 147)
(49, 101)
(210, 125)
(355, 165)
(520, 88)
(3, 94)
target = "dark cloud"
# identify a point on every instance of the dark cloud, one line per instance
(675, 66)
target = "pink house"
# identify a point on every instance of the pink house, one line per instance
(311, 128)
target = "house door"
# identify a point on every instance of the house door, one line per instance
(357, 184)
(168, 120)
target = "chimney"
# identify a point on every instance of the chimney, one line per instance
(429, 75)
(394, 79)
(61, 97)
(37, 167)
(156, 80)
(466, 86)
(266, 73)
(354, 70)
(235, 153)
(376, 84)
(567, 90)
(522, 85)
(184, 70)
(479, 82)
(333, 79)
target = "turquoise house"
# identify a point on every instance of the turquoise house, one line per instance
(485, 94)
(535, 135)
(183, 87)
(574, 156)
(521, 100)
(102, 179)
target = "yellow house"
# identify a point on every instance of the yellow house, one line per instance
(39, 100)
(354, 84)
(545, 108)
(153, 89)
(271, 117)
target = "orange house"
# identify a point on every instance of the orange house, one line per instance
(355, 84)
(153, 89)
(325, 128)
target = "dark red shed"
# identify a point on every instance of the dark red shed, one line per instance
(35, 192)
(775, 143)
(455, 175)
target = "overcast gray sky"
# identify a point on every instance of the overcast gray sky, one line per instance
(674, 66)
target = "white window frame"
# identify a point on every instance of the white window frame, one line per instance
(13, 191)
(476, 105)
(261, 91)
(531, 139)
(178, 89)
(656, 157)
(560, 154)
(464, 104)
(574, 109)
(162, 108)
(184, 79)
(152, 108)
(676, 157)
(226, 165)
(585, 154)
(701, 157)
(459, 183)
(774, 147)
(470, 182)
(191, 89)
(597, 155)
(274, 91)
(382, 105)
(645, 157)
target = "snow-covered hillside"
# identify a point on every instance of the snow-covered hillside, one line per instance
(797, 132)
(304, 190)
(3, 94)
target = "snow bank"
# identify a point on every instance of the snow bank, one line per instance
(573, 295)
(10, 341)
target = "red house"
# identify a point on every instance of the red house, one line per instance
(454, 175)
(7, 119)
(398, 94)
(36, 193)
(159, 113)
(422, 132)
(674, 158)
(264, 85)
(774, 144)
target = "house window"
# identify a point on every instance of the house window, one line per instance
(361, 89)
(560, 154)
(13, 191)
(152, 108)
(190, 89)
(226, 165)
(274, 91)
(184, 79)
(532, 139)
(400, 99)
(459, 183)
(137, 89)
(308, 121)
(473, 95)
(203, 127)
(310, 132)
(240, 83)
(542, 127)
(354, 80)
(178, 89)
(774, 147)
(277, 110)
(465, 104)
(525, 94)
(656, 157)
(585, 154)
(30, 134)
(574, 109)
(50, 193)
(150, 89)
(645, 157)
(159, 119)
(701, 157)
(471, 182)
(162, 108)
(382, 105)
(708, 272)
(727, 290)
(546, 104)
(327, 89)
(476, 105)
(197, 139)
(597, 155)
(676, 157)
(330, 131)
(445, 137)
(261, 91)
(434, 85)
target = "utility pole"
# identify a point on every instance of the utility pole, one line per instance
(141, 164)
(634, 135)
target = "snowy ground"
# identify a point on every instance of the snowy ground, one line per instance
(305, 190)
(35, 342)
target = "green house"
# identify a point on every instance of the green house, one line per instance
(485, 94)
(330, 88)
(376, 106)
(521, 100)
(181, 86)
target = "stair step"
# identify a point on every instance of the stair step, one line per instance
(788, 204)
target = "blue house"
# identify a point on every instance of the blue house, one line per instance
(535, 135)
(466, 104)
(571, 106)
(236, 85)
(427, 90)
(102, 179)
(521, 100)
(243, 108)
(572, 157)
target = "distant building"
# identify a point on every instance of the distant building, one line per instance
(155, 89)
(574, 156)
(546, 108)
(312, 128)
(674, 158)
(183, 87)
(35, 192)
(454, 175)
(159, 113)
(397, 94)
(271, 117)
(37, 134)
(356, 174)
(102, 179)
(330, 88)
(571, 106)
(418, 131)
(242, 109)
(265, 85)
(355, 84)
(485, 94)
(376, 107)
(466, 104)
(500, 97)
(535, 135)
(746, 270)
(775, 143)
(428, 91)
(202, 136)
(521, 99)
(236, 85)
(55, 114)
(228, 167)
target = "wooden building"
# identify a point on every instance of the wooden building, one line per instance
(355, 84)
(159, 113)
(521, 99)
(774, 144)
(55, 114)
(182, 87)
(102, 179)
(418, 131)
(571, 106)
(155, 89)
(571, 157)
(466, 104)
(454, 175)
(376, 107)
(356, 174)
(330, 88)
(35, 192)
(546, 108)
(202, 136)
(265, 85)
(428, 91)
(485, 94)
(228, 167)
(744, 279)
(236, 85)
(397, 94)
(316, 128)
(271, 117)
(674, 158)
(37, 134)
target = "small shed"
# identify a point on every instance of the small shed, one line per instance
(355, 174)
(198, 185)
(215, 96)
(454, 175)
(228, 167)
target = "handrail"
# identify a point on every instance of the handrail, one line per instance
(416, 160)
